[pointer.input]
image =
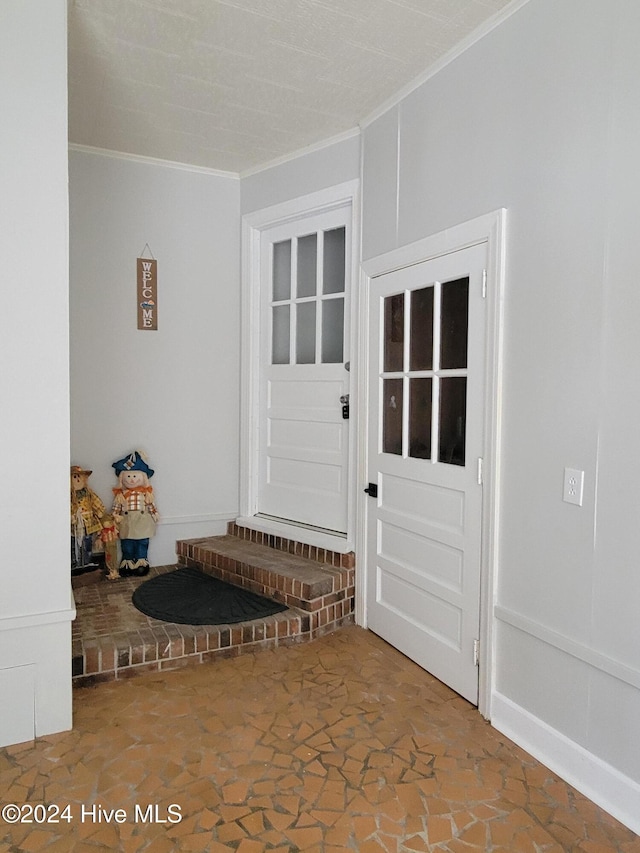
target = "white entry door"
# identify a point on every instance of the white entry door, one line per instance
(304, 379)
(426, 391)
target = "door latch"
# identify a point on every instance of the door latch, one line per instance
(372, 490)
(345, 406)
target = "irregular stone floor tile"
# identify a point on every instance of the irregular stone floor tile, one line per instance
(337, 744)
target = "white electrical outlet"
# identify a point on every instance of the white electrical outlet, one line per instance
(573, 486)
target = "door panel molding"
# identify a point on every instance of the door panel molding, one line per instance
(490, 229)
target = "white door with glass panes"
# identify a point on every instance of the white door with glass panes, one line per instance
(304, 377)
(427, 405)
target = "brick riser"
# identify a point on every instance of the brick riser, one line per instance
(322, 586)
(290, 546)
(168, 646)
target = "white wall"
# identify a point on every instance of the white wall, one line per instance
(326, 166)
(616, 575)
(35, 604)
(541, 117)
(173, 393)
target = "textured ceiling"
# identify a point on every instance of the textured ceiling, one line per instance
(235, 84)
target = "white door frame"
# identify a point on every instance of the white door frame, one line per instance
(253, 224)
(488, 229)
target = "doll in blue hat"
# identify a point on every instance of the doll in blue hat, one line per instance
(135, 513)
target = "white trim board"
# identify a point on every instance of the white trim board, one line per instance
(220, 173)
(32, 621)
(198, 519)
(152, 161)
(604, 663)
(600, 782)
(301, 152)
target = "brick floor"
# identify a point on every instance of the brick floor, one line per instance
(113, 640)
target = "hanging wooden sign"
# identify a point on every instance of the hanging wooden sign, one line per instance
(147, 294)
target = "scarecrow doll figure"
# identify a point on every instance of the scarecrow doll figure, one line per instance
(87, 511)
(134, 512)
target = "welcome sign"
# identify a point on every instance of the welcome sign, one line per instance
(147, 294)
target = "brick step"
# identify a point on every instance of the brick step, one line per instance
(112, 640)
(281, 570)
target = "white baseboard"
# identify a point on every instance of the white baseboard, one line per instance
(162, 549)
(600, 782)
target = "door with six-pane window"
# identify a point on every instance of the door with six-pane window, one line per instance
(426, 392)
(303, 421)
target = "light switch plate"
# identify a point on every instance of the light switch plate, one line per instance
(573, 486)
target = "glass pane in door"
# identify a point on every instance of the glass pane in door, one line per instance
(393, 333)
(280, 335)
(306, 333)
(392, 416)
(282, 270)
(420, 408)
(453, 420)
(307, 265)
(332, 331)
(454, 324)
(334, 260)
(421, 346)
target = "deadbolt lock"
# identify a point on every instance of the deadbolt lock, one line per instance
(345, 406)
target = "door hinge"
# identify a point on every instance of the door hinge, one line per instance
(480, 472)
(476, 652)
(484, 284)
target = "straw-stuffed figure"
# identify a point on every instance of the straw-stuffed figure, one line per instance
(87, 512)
(134, 512)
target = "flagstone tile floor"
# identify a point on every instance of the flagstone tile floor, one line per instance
(337, 744)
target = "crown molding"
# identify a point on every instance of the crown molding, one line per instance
(309, 149)
(152, 161)
(477, 35)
